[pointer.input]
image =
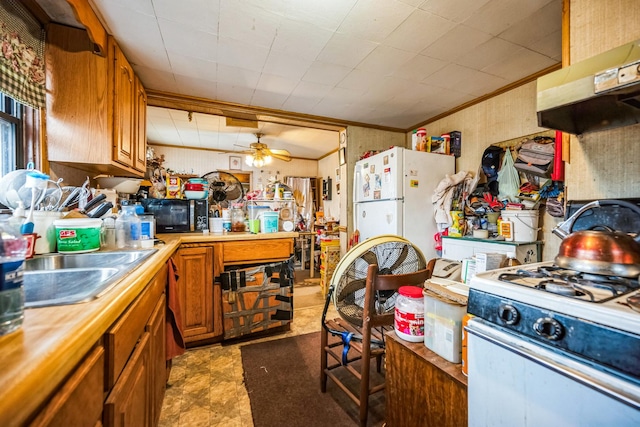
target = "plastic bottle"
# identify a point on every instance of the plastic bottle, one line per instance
(511, 260)
(409, 314)
(13, 249)
(19, 215)
(128, 230)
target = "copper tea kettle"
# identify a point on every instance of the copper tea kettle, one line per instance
(604, 252)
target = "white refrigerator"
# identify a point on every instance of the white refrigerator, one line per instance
(392, 195)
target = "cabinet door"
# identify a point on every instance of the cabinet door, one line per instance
(79, 400)
(140, 127)
(195, 287)
(128, 403)
(158, 371)
(123, 108)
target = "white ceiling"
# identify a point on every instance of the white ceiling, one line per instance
(393, 63)
(173, 127)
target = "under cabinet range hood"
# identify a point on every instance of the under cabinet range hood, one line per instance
(602, 92)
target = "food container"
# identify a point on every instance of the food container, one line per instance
(256, 210)
(443, 320)
(194, 195)
(43, 226)
(269, 222)
(409, 314)
(78, 234)
(194, 187)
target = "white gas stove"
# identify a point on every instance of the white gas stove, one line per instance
(598, 299)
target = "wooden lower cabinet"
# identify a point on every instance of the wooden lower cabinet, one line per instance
(199, 296)
(422, 388)
(129, 401)
(121, 381)
(79, 401)
(136, 374)
(158, 372)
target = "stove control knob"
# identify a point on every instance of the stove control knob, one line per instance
(548, 328)
(508, 314)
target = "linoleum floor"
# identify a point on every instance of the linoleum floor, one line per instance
(206, 387)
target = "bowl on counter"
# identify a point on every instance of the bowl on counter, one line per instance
(194, 195)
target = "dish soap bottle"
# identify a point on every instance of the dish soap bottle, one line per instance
(13, 250)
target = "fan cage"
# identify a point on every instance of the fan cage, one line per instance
(232, 190)
(393, 255)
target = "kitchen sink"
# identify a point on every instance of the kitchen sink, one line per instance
(61, 279)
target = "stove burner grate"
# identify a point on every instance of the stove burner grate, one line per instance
(570, 283)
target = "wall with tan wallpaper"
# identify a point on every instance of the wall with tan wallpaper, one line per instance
(603, 164)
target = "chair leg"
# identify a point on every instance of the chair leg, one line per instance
(324, 338)
(379, 363)
(364, 387)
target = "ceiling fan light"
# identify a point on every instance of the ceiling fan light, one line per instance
(267, 159)
(248, 160)
(258, 163)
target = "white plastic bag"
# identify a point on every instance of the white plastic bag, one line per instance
(508, 179)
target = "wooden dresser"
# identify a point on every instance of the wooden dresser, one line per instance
(423, 389)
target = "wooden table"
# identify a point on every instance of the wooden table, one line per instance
(423, 389)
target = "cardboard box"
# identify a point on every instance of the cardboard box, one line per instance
(174, 187)
(468, 269)
(488, 261)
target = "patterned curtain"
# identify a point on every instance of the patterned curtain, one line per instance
(22, 56)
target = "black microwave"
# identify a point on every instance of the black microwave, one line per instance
(178, 215)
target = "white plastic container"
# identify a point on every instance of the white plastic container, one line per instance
(78, 234)
(43, 226)
(409, 314)
(269, 222)
(525, 224)
(443, 326)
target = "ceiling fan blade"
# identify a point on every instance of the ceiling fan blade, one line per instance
(279, 152)
(281, 157)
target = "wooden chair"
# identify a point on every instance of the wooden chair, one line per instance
(371, 345)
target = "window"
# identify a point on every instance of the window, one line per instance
(11, 134)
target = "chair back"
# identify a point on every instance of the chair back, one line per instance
(389, 282)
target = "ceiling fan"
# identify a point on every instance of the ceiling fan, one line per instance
(260, 154)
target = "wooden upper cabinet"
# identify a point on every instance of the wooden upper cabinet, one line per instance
(96, 106)
(140, 159)
(124, 97)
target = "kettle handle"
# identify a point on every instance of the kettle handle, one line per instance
(565, 228)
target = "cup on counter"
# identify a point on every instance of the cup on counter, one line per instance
(215, 225)
(254, 226)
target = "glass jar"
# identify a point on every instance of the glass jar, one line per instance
(237, 218)
(14, 251)
(409, 314)
(128, 229)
